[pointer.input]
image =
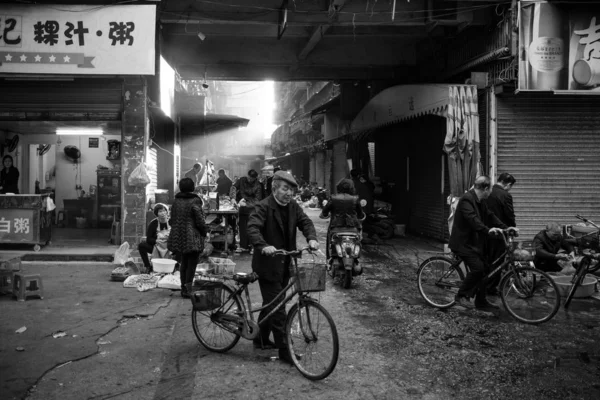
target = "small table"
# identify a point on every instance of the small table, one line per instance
(224, 214)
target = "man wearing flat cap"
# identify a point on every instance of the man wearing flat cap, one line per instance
(272, 226)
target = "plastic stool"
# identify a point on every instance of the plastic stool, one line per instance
(6, 281)
(27, 285)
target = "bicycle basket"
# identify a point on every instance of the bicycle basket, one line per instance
(205, 295)
(311, 275)
(591, 241)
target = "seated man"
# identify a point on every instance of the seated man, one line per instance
(156, 236)
(547, 244)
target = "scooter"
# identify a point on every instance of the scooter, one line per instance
(345, 249)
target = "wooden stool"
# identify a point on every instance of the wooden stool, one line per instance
(27, 285)
(6, 281)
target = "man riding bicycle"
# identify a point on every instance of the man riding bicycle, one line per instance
(471, 228)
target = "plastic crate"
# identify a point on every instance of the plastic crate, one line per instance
(205, 295)
(221, 266)
(311, 276)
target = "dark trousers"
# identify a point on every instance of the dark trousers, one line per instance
(548, 265)
(145, 248)
(243, 225)
(477, 268)
(276, 323)
(189, 261)
(495, 250)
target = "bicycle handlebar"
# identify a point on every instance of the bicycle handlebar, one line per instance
(587, 221)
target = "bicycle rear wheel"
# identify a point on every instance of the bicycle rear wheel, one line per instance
(312, 340)
(529, 295)
(439, 280)
(219, 330)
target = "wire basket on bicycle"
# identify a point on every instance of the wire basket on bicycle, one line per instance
(205, 294)
(310, 273)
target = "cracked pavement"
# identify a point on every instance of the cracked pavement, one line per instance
(132, 345)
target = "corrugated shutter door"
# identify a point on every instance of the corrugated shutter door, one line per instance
(339, 163)
(428, 214)
(551, 144)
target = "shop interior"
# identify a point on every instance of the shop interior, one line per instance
(79, 164)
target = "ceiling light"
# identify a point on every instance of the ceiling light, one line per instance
(80, 131)
(201, 36)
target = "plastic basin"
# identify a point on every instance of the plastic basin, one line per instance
(163, 265)
(584, 290)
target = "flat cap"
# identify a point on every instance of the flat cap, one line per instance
(285, 176)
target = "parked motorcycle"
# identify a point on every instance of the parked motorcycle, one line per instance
(345, 249)
(587, 237)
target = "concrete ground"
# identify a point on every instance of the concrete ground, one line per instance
(123, 344)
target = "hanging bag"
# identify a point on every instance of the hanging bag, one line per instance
(139, 176)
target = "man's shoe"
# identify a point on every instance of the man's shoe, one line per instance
(462, 301)
(485, 305)
(264, 344)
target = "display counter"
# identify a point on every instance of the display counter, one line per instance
(24, 219)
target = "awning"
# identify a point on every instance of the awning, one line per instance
(403, 102)
(211, 123)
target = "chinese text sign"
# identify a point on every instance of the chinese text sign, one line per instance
(17, 226)
(115, 40)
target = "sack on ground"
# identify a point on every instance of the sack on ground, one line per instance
(132, 281)
(170, 281)
(139, 176)
(119, 274)
(122, 254)
(147, 282)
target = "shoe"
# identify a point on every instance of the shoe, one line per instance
(284, 355)
(185, 294)
(462, 301)
(264, 344)
(485, 305)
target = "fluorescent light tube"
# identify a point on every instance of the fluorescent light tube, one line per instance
(81, 131)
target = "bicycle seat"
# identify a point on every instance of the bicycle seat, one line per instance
(244, 278)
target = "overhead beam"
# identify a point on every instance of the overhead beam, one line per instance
(315, 38)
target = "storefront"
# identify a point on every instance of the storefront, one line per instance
(414, 128)
(72, 129)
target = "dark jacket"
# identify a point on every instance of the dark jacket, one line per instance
(265, 228)
(188, 228)
(251, 192)
(345, 211)
(500, 202)
(9, 180)
(472, 221)
(546, 248)
(151, 233)
(224, 186)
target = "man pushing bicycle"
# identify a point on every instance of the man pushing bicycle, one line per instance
(473, 223)
(272, 226)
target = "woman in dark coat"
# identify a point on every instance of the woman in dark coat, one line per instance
(188, 231)
(9, 176)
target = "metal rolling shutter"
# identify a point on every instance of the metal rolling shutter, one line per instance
(428, 209)
(340, 168)
(551, 144)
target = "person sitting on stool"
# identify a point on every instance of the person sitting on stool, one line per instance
(156, 236)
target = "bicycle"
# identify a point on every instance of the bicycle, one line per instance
(528, 294)
(311, 334)
(586, 237)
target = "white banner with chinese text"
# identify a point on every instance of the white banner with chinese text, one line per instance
(60, 39)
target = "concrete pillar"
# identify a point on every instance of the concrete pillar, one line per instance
(134, 136)
(320, 168)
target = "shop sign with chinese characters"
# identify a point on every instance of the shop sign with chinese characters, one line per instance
(17, 226)
(116, 40)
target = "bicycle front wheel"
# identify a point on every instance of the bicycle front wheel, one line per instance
(439, 280)
(578, 279)
(219, 330)
(530, 295)
(312, 340)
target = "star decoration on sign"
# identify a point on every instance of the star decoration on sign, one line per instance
(8, 57)
(66, 59)
(38, 58)
(23, 57)
(52, 58)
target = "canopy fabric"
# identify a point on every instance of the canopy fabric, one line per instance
(462, 138)
(399, 103)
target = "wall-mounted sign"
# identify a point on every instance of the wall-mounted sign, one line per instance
(93, 143)
(116, 40)
(559, 46)
(16, 226)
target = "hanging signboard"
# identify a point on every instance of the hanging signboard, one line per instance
(115, 40)
(559, 46)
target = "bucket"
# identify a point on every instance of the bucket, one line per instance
(400, 230)
(81, 222)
